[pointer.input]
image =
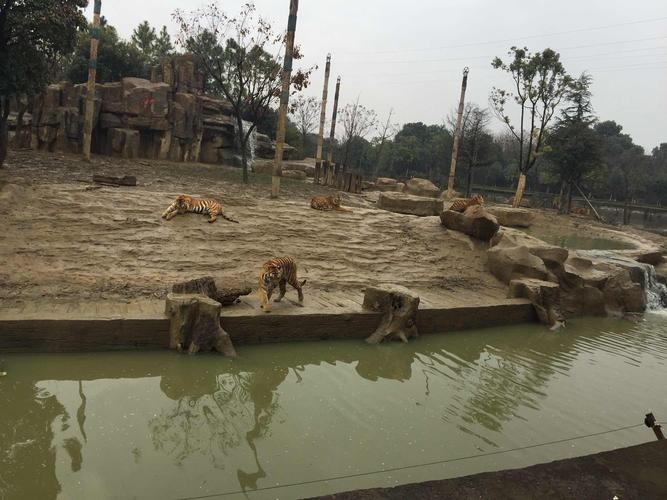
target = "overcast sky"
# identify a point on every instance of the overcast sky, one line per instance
(409, 55)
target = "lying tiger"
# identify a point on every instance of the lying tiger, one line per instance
(461, 204)
(184, 204)
(278, 272)
(328, 203)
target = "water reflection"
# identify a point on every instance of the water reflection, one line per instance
(206, 411)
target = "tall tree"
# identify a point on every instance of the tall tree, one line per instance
(388, 129)
(475, 145)
(574, 148)
(241, 61)
(357, 123)
(305, 112)
(116, 58)
(540, 82)
(144, 37)
(32, 33)
(152, 46)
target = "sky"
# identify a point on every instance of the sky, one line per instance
(409, 56)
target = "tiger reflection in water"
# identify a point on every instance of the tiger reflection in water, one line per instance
(212, 425)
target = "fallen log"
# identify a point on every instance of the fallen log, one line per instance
(475, 222)
(126, 180)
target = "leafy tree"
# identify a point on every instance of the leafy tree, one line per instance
(574, 147)
(116, 58)
(540, 83)
(625, 163)
(240, 59)
(32, 33)
(151, 45)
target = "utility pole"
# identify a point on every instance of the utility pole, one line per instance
(92, 73)
(457, 134)
(329, 163)
(323, 113)
(284, 98)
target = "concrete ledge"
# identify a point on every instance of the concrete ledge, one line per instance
(70, 332)
(637, 472)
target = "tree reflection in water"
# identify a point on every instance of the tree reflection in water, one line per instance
(236, 412)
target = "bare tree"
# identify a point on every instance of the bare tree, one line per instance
(475, 142)
(388, 130)
(357, 122)
(240, 58)
(305, 112)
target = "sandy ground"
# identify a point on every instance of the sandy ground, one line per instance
(65, 239)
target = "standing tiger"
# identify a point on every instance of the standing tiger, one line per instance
(461, 204)
(278, 272)
(328, 203)
(184, 204)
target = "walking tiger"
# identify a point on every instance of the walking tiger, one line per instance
(328, 203)
(461, 204)
(184, 204)
(278, 272)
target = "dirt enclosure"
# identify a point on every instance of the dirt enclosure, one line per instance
(65, 238)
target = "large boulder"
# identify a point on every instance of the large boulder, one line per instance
(407, 204)
(388, 184)
(510, 263)
(512, 217)
(475, 222)
(422, 187)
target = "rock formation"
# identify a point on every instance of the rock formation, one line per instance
(399, 307)
(512, 217)
(475, 222)
(422, 187)
(166, 118)
(407, 204)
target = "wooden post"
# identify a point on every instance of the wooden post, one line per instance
(332, 135)
(323, 112)
(650, 422)
(597, 215)
(284, 98)
(457, 135)
(92, 74)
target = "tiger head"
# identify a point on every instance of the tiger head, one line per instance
(271, 275)
(183, 201)
(335, 199)
(477, 200)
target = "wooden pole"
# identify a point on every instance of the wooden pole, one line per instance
(457, 134)
(597, 215)
(650, 422)
(284, 99)
(332, 134)
(323, 112)
(92, 74)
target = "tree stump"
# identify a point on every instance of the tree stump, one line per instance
(195, 325)
(399, 307)
(475, 222)
(545, 297)
(207, 286)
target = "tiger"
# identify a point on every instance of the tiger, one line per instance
(461, 204)
(278, 272)
(184, 204)
(328, 203)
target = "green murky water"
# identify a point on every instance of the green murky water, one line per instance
(577, 242)
(164, 426)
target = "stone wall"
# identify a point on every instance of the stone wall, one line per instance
(166, 118)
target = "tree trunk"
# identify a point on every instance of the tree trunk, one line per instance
(242, 145)
(4, 129)
(569, 197)
(520, 188)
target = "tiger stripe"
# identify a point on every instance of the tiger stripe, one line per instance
(187, 204)
(461, 204)
(278, 272)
